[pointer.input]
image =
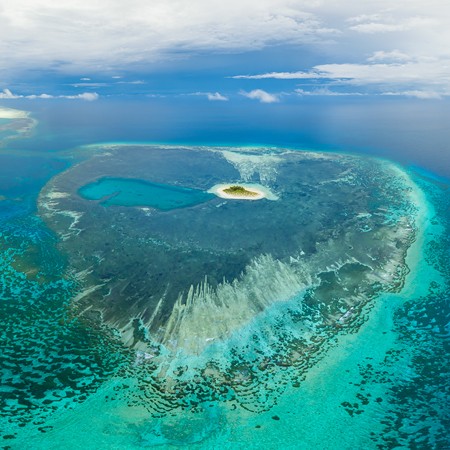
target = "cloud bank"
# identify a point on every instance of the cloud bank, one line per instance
(385, 46)
(324, 92)
(108, 34)
(382, 72)
(88, 96)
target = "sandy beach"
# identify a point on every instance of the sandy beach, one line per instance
(259, 191)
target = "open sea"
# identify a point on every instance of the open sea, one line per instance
(67, 383)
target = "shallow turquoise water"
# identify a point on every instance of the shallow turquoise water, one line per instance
(131, 192)
(64, 384)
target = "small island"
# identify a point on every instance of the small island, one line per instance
(242, 192)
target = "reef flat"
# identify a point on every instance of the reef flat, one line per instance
(232, 293)
(15, 123)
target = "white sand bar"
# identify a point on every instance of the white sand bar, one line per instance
(259, 191)
(8, 113)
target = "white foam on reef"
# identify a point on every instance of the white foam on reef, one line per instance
(9, 113)
(260, 191)
(53, 195)
(205, 314)
(248, 164)
(21, 124)
(420, 213)
(75, 216)
(86, 292)
(49, 203)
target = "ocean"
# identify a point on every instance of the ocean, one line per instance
(383, 383)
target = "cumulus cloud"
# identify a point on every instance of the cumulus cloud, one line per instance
(212, 96)
(216, 96)
(262, 96)
(45, 96)
(88, 96)
(8, 94)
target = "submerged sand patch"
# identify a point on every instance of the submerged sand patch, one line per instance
(248, 191)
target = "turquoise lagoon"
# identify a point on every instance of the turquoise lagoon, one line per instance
(327, 365)
(130, 192)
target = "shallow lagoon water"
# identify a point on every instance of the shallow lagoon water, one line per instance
(130, 192)
(80, 387)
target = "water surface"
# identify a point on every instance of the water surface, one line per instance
(382, 385)
(132, 192)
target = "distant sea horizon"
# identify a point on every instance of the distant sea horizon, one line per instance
(411, 132)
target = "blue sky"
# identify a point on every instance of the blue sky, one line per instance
(267, 51)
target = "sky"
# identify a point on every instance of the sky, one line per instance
(267, 51)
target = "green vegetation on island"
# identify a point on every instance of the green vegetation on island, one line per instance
(239, 190)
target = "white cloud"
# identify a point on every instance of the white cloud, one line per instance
(415, 28)
(262, 96)
(77, 85)
(420, 75)
(130, 82)
(45, 96)
(386, 24)
(364, 18)
(212, 96)
(88, 96)
(424, 95)
(112, 34)
(392, 56)
(216, 96)
(277, 76)
(381, 44)
(383, 47)
(8, 94)
(366, 73)
(324, 92)
(383, 73)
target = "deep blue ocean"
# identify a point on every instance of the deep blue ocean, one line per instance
(412, 132)
(386, 387)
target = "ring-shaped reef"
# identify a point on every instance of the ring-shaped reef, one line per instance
(224, 300)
